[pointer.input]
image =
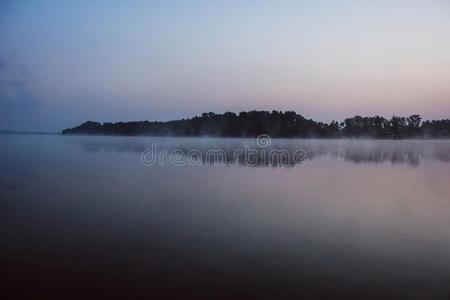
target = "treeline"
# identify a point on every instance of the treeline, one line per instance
(287, 124)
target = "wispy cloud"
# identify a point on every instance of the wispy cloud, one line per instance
(13, 81)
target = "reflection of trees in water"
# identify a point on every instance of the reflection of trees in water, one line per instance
(395, 152)
(442, 155)
(120, 147)
(281, 152)
(378, 155)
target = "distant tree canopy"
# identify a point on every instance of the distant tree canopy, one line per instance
(287, 124)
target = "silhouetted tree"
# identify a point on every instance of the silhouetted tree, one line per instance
(287, 124)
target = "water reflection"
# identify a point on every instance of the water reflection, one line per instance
(81, 216)
(280, 152)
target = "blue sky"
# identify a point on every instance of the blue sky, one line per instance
(64, 62)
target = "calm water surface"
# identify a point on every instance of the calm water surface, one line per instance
(83, 217)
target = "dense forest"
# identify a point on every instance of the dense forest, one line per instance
(287, 124)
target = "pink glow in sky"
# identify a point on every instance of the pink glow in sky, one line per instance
(63, 62)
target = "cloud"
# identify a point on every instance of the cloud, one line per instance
(13, 81)
(18, 105)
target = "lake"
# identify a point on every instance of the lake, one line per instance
(111, 217)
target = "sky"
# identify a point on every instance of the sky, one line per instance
(65, 62)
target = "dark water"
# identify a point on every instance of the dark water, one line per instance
(83, 217)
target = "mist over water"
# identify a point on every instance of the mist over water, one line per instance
(410, 152)
(84, 216)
